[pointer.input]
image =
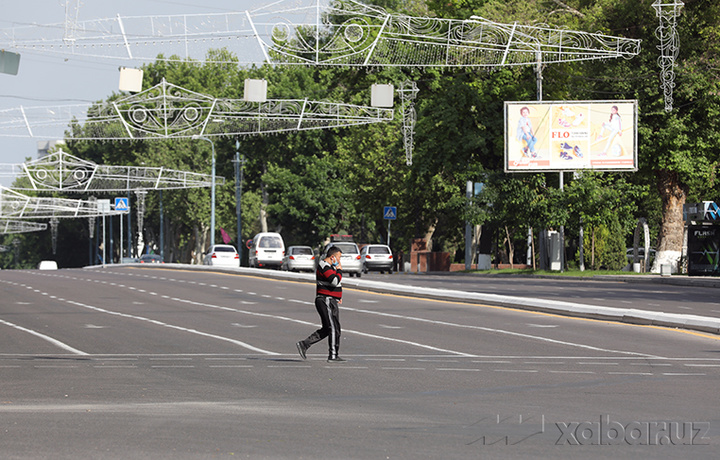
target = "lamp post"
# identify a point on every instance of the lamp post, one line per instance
(212, 193)
(239, 163)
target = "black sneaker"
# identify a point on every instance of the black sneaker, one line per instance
(301, 349)
(336, 359)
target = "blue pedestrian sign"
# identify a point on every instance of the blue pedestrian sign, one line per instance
(121, 204)
(390, 212)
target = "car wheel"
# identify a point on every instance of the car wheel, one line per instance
(358, 274)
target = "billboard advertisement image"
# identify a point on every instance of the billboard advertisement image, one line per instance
(570, 136)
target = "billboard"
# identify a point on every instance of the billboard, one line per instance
(570, 136)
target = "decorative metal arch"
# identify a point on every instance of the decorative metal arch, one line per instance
(8, 226)
(408, 92)
(667, 12)
(167, 111)
(61, 171)
(15, 205)
(339, 32)
(350, 33)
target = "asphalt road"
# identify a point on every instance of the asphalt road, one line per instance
(129, 362)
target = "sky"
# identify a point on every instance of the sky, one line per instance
(46, 79)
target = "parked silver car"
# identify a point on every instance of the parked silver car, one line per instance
(298, 258)
(350, 259)
(377, 257)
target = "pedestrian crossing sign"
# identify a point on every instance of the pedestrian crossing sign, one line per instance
(390, 212)
(121, 204)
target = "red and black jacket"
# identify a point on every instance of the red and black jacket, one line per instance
(329, 280)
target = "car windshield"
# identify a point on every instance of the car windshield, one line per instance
(347, 248)
(270, 242)
(302, 251)
(224, 249)
(378, 250)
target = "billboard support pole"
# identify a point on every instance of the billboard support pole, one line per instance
(562, 176)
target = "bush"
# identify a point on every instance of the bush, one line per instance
(609, 251)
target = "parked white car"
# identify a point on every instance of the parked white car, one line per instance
(377, 257)
(222, 255)
(298, 258)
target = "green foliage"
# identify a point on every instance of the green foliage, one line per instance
(606, 241)
(309, 199)
(315, 183)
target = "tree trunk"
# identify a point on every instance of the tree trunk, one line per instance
(511, 249)
(670, 240)
(200, 233)
(532, 242)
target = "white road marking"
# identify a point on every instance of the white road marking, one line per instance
(456, 369)
(571, 372)
(500, 331)
(529, 371)
(403, 368)
(45, 337)
(172, 326)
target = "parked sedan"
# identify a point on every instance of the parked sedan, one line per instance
(377, 257)
(222, 255)
(151, 259)
(350, 258)
(298, 258)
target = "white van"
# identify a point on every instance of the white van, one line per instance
(266, 250)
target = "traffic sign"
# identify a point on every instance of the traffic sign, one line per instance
(390, 212)
(121, 204)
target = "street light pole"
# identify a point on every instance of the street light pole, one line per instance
(238, 196)
(212, 193)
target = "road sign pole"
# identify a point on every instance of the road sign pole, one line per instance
(389, 213)
(122, 250)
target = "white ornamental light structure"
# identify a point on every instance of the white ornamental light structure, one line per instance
(667, 12)
(341, 32)
(63, 172)
(8, 226)
(408, 92)
(167, 111)
(15, 206)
